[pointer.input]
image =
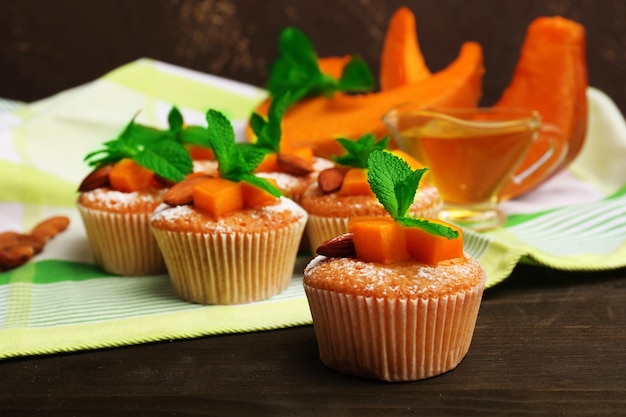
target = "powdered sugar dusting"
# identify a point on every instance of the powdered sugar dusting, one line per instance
(320, 164)
(402, 280)
(285, 182)
(187, 218)
(118, 201)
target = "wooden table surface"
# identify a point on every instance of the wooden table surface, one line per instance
(547, 342)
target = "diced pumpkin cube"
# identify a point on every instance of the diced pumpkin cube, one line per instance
(218, 196)
(355, 183)
(431, 249)
(379, 239)
(256, 197)
(128, 176)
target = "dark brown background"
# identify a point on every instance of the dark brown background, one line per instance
(47, 46)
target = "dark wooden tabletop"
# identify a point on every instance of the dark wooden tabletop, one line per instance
(547, 343)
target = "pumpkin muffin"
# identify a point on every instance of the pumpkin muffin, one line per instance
(242, 256)
(394, 299)
(118, 197)
(229, 239)
(343, 192)
(118, 230)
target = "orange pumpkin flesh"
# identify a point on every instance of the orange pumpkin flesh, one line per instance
(401, 60)
(379, 239)
(550, 77)
(317, 122)
(128, 176)
(254, 196)
(431, 249)
(218, 196)
(355, 183)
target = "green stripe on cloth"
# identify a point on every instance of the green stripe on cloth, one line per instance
(196, 322)
(584, 236)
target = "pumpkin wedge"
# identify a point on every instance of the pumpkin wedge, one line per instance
(401, 60)
(550, 77)
(317, 122)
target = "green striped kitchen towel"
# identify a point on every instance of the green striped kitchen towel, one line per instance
(62, 302)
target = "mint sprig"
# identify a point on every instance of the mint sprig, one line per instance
(358, 151)
(297, 71)
(185, 134)
(235, 161)
(149, 147)
(268, 131)
(395, 184)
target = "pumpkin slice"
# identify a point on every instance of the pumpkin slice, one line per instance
(550, 77)
(317, 122)
(401, 60)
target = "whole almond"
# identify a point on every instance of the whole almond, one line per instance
(330, 180)
(8, 239)
(15, 256)
(98, 178)
(294, 165)
(49, 228)
(182, 193)
(35, 242)
(341, 246)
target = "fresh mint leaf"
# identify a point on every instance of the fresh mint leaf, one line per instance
(268, 132)
(383, 173)
(430, 227)
(356, 76)
(406, 188)
(221, 137)
(149, 147)
(166, 158)
(297, 71)
(261, 183)
(251, 156)
(194, 135)
(358, 151)
(394, 183)
(175, 119)
(236, 161)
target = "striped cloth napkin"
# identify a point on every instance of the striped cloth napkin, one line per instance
(62, 302)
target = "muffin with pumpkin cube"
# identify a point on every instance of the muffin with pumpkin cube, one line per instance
(229, 239)
(131, 174)
(343, 191)
(396, 298)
